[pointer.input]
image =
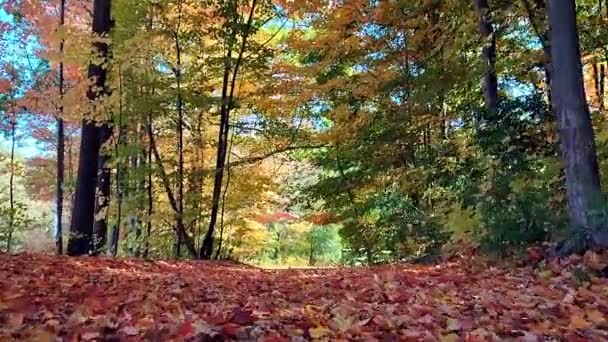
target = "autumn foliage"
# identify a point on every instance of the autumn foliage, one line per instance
(90, 299)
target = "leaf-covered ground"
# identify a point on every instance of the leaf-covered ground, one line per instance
(45, 298)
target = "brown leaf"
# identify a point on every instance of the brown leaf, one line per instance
(579, 322)
(242, 317)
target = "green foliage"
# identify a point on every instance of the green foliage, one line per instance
(516, 192)
(390, 227)
(323, 245)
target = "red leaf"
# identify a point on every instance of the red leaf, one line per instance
(186, 329)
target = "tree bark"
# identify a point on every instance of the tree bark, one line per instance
(102, 203)
(602, 86)
(576, 131)
(83, 214)
(120, 172)
(206, 251)
(60, 145)
(488, 55)
(11, 185)
(180, 131)
(150, 192)
(180, 229)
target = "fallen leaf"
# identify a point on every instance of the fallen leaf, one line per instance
(129, 330)
(319, 332)
(15, 320)
(449, 338)
(546, 274)
(242, 317)
(231, 329)
(42, 335)
(426, 319)
(578, 322)
(529, 337)
(89, 336)
(597, 317)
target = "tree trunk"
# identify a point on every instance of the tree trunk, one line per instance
(311, 253)
(60, 146)
(180, 229)
(180, 134)
(488, 55)
(576, 131)
(11, 181)
(102, 203)
(114, 239)
(227, 102)
(150, 192)
(83, 214)
(602, 87)
(120, 174)
(596, 82)
(207, 246)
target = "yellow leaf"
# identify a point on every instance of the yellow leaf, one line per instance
(546, 274)
(453, 324)
(319, 332)
(449, 338)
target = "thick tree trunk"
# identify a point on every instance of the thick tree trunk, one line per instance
(488, 55)
(60, 146)
(83, 213)
(576, 131)
(83, 209)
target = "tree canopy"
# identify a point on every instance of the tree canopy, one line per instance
(383, 131)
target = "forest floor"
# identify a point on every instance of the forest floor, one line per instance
(48, 298)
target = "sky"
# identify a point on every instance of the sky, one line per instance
(15, 54)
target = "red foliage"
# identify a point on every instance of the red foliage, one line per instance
(100, 299)
(323, 218)
(275, 217)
